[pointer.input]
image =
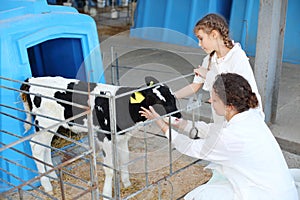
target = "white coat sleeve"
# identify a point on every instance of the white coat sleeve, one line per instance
(217, 147)
(185, 145)
(201, 126)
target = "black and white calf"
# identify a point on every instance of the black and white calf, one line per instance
(127, 115)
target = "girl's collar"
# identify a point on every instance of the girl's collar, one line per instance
(217, 60)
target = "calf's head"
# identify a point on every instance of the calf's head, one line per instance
(159, 96)
(128, 106)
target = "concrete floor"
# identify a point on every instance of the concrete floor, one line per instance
(138, 58)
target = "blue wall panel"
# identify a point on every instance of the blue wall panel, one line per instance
(291, 52)
(173, 21)
(244, 23)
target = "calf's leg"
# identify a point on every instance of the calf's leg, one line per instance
(123, 155)
(109, 173)
(42, 153)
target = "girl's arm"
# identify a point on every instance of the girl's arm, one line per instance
(188, 90)
(196, 85)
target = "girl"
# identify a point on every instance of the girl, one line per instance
(223, 56)
(244, 152)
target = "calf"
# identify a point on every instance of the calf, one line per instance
(127, 108)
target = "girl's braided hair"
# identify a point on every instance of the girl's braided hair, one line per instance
(233, 89)
(216, 22)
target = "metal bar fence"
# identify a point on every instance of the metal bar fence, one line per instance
(88, 154)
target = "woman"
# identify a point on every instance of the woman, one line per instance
(247, 161)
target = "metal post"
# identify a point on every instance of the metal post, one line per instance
(269, 48)
(170, 147)
(112, 65)
(93, 159)
(62, 188)
(146, 157)
(113, 128)
(117, 69)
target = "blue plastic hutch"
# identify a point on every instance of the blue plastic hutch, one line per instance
(37, 39)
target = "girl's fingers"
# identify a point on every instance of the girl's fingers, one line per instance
(201, 71)
(197, 72)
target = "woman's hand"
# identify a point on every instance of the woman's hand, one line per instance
(152, 114)
(149, 114)
(201, 71)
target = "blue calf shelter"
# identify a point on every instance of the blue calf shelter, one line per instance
(37, 39)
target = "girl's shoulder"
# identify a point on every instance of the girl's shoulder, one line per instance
(237, 50)
(236, 55)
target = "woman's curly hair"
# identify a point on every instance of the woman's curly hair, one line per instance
(233, 89)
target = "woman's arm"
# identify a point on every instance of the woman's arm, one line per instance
(183, 144)
(152, 114)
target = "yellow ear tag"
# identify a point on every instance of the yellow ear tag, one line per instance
(138, 98)
(151, 83)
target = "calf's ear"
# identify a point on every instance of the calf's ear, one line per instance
(149, 80)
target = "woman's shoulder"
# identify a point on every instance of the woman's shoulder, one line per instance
(247, 120)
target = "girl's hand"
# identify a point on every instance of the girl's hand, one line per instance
(201, 71)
